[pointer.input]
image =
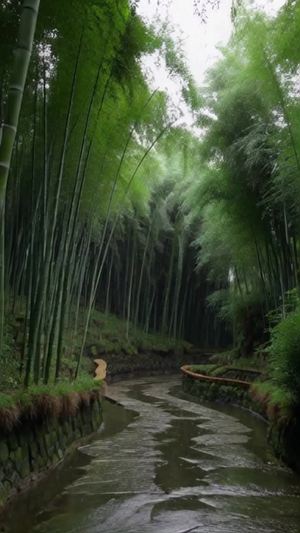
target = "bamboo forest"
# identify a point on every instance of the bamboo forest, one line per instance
(149, 266)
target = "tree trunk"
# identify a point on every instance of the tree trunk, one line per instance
(15, 96)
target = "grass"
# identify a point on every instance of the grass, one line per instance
(46, 401)
(26, 397)
(9, 360)
(278, 401)
(206, 370)
(107, 339)
(7, 401)
(109, 334)
(256, 361)
(220, 370)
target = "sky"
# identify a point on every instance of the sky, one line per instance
(200, 41)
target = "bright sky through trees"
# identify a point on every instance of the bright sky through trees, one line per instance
(200, 41)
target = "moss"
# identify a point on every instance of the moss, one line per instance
(215, 391)
(37, 445)
(204, 369)
(4, 452)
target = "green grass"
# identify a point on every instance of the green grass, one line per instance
(219, 370)
(206, 370)
(284, 353)
(274, 400)
(7, 401)
(273, 394)
(26, 396)
(83, 384)
(256, 361)
(9, 361)
(46, 400)
(109, 334)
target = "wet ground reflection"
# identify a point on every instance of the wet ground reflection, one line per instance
(165, 464)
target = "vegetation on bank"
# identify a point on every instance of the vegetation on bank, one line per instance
(44, 401)
(276, 399)
(262, 398)
(274, 369)
(222, 369)
(111, 335)
(108, 337)
(285, 354)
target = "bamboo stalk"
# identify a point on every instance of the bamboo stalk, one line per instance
(9, 128)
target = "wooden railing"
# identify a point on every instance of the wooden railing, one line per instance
(214, 379)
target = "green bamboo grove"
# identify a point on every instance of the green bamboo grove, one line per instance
(83, 175)
(108, 201)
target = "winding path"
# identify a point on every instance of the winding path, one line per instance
(164, 464)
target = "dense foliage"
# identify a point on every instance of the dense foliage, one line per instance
(285, 353)
(91, 215)
(247, 194)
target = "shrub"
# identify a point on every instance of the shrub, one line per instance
(285, 353)
(273, 400)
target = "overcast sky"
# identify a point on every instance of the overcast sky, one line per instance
(200, 41)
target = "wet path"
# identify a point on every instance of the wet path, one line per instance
(167, 465)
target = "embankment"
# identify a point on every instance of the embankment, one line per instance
(283, 424)
(37, 436)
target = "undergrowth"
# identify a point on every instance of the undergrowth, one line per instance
(9, 361)
(108, 334)
(256, 361)
(46, 400)
(205, 369)
(278, 402)
(285, 354)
